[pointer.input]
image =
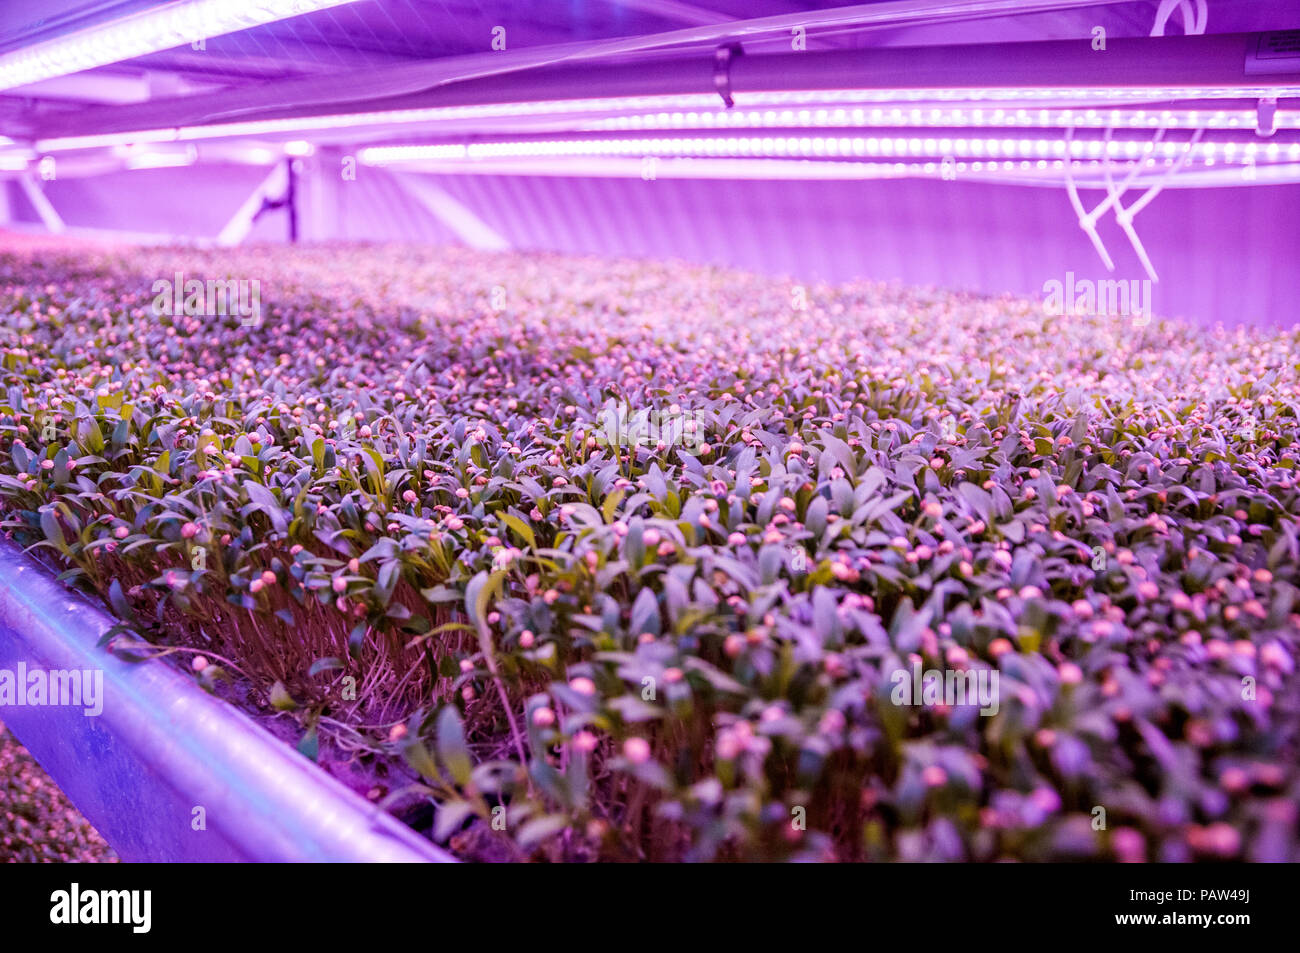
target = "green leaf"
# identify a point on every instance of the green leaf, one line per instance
(451, 816)
(417, 755)
(389, 575)
(328, 664)
(520, 529)
(478, 595)
(610, 506)
(309, 743)
(438, 594)
(117, 599)
(540, 828)
(815, 518)
(54, 532)
(357, 638)
(263, 499)
(451, 745)
(281, 699)
(89, 435)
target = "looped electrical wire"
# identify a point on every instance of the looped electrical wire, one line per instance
(1195, 14)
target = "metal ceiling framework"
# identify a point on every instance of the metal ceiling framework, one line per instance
(634, 88)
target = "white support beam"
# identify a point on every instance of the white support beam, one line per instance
(471, 229)
(52, 220)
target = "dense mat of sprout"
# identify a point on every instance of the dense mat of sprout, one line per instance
(393, 508)
(37, 822)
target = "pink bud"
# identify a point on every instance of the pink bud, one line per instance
(934, 776)
(636, 750)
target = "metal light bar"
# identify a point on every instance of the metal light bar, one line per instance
(828, 147)
(1044, 173)
(175, 24)
(1058, 73)
(512, 64)
(703, 106)
(940, 116)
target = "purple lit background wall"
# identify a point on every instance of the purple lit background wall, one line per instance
(1226, 254)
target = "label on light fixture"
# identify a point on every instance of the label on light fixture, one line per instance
(1276, 52)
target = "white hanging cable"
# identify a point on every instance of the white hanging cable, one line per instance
(1195, 14)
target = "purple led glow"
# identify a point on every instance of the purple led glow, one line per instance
(940, 117)
(1088, 173)
(822, 147)
(704, 106)
(174, 24)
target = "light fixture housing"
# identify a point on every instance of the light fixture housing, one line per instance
(150, 31)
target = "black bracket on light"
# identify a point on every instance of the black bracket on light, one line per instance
(722, 58)
(289, 201)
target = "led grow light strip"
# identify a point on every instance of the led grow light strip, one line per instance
(185, 21)
(941, 117)
(817, 147)
(702, 104)
(1041, 172)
